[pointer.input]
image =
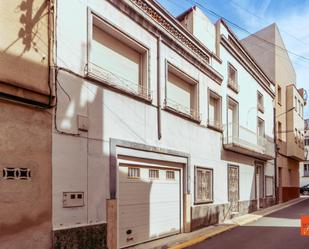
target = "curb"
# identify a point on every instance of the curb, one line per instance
(228, 227)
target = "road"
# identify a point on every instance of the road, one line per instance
(279, 230)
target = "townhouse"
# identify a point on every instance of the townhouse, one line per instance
(26, 100)
(162, 125)
(304, 166)
(268, 49)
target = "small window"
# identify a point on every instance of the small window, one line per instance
(307, 141)
(214, 110)
(232, 78)
(133, 173)
(203, 185)
(260, 102)
(279, 94)
(154, 174)
(170, 175)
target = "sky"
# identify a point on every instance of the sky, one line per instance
(291, 16)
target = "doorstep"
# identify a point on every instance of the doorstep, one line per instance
(188, 239)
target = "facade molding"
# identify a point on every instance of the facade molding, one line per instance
(157, 25)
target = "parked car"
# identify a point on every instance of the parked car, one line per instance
(304, 190)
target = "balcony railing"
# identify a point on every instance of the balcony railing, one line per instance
(241, 139)
(181, 109)
(117, 81)
(233, 85)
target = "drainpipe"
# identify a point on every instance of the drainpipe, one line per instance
(159, 86)
(276, 156)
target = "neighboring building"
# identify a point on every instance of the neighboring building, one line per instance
(25, 125)
(162, 126)
(275, 62)
(304, 166)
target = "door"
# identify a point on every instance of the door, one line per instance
(149, 204)
(233, 187)
(259, 184)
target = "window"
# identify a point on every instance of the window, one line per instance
(232, 78)
(295, 101)
(279, 95)
(133, 173)
(260, 102)
(307, 141)
(154, 174)
(181, 93)
(203, 185)
(117, 60)
(261, 131)
(232, 120)
(280, 130)
(170, 175)
(214, 110)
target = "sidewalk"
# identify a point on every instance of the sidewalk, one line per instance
(188, 239)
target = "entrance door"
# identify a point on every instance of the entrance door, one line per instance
(149, 203)
(233, 185)
(259, 184)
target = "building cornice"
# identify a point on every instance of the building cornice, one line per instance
(173, 34)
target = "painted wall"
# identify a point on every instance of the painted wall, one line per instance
(81, 160)
(25, 205)
(25, 132)
(25, 25)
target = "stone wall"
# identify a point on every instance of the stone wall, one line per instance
(86, 237)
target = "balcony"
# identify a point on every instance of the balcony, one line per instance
(109, 78)
(239, 139)
(181, 110)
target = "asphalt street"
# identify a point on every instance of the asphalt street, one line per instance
(279, 230)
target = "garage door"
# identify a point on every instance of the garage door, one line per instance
(149, 204)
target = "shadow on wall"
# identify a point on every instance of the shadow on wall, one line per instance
(29, 20)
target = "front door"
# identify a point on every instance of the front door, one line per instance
(259, 185)
(233, 185)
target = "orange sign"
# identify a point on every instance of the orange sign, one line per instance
(304, 229)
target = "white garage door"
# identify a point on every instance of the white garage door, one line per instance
(149, 204)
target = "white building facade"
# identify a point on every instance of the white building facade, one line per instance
(159, 129)
(304, 166)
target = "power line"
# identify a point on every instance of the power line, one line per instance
(244, 30)
(261, 18)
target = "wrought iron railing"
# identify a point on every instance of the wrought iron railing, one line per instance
(118, 81)
(190, 112)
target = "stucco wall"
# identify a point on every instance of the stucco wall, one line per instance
(24, 41)
(114, 115)
(25, 205)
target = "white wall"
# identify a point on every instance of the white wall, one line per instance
(81, 162)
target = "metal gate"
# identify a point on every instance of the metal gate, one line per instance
(233, 187)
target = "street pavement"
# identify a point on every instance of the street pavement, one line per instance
(279, 230)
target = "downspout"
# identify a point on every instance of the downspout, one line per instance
(159, 86)
(276, 155)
